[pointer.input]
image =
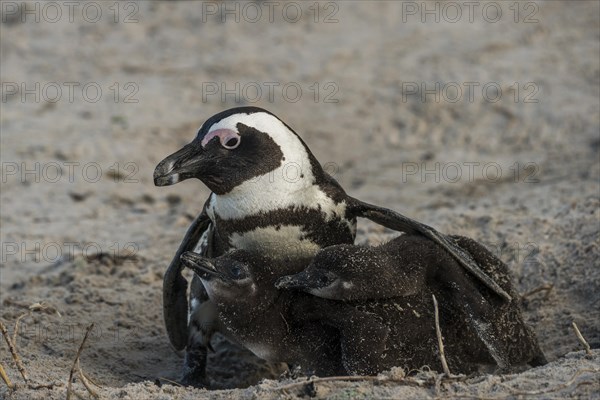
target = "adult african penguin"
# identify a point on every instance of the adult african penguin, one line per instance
(269, 194)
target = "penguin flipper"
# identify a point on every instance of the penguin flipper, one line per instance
(175, 304)
(398, 222)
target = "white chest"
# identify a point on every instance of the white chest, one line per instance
(284, 241)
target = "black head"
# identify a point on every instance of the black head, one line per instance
(347, 272)
(240, 277)
(233, 147)
(226, 278)
(230, 271)
(330, 274)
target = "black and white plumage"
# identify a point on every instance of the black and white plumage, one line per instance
(269, 194)
(390, 287)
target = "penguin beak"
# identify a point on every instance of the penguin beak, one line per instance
(300, 281)
(200, 265)
(185, 163)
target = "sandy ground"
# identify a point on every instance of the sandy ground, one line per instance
(84, 230)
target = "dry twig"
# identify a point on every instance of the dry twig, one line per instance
(314, 380)
(16, 330)
(553, 389)
(12, 345)
(170, 381)
(5, 378)
(43, 306)
(90, 379)
(75, 363)
(547, 287)
(438, 332)
(85, 382)
(586, 345)
(379, 378)
(13, 352)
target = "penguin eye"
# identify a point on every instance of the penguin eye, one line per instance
(236, 272)
(323, 280)
(231, 142)
(228, 138)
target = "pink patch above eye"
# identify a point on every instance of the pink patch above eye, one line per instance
(224, 135)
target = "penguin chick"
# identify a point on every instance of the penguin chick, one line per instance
(395, 281)
(257, 316)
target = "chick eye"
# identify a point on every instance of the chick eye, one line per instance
(324, 279)
(236, 272)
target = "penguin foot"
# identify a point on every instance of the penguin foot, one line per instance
(195, 381)
(200, 330)
(194, 365)
(539, 359)
(194, 369)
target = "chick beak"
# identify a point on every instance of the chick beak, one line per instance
(298, 281)
(202, 266)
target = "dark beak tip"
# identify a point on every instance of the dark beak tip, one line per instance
(186, 261)
(190, 258)
(163, 173)
(165, 181)
(175, 167)
(285, 282)
(158, 181)
(200, 265)
(279, 284)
